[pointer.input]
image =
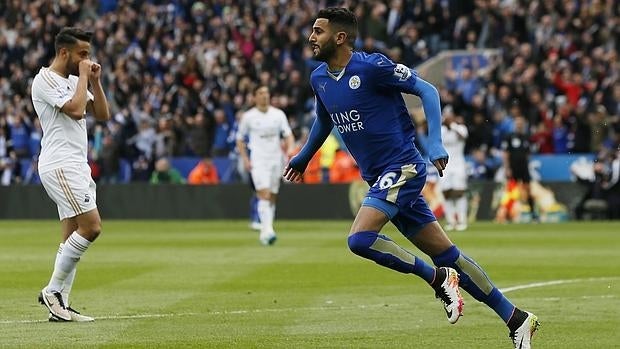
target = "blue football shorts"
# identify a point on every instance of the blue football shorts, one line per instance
(398, 194)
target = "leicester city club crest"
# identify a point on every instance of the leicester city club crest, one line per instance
(355, 82)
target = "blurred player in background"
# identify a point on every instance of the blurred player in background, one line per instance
(61, 98)
(265, 126)
(454, 182)
(360, 95)
(516, 147)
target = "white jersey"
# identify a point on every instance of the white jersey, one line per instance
(264, 131)
(454, 142)
(64, 139)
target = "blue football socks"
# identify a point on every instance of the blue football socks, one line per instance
(383, 251)
(475, 281)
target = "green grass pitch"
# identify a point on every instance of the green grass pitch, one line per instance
(210, 284)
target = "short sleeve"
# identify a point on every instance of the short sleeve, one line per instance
(243, 127)
(45, 89)
(285, 128)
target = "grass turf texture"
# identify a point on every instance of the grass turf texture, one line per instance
(210, 284)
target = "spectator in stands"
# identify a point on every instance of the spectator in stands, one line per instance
(204, 58)
(4, 142)
(221, 138)
(542, 141)
(467, 84)
(19, 135)
(109, 156)
(144, 140)
(199, 134)
(10, 169)
(166, 174)
(480, 134)
(142, 169)
(483, 167)
(204, 172)
(560, 136)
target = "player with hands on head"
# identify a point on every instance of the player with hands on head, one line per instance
(360, 95)
(61, 99)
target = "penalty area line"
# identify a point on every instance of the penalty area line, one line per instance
(554, 282)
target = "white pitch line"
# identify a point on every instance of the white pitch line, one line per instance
(555, 282)
(107, 317)
(223, 312)
(322, 308)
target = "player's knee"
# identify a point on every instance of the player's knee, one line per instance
(359, 243)
(92, 230)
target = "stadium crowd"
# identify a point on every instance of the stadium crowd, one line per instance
(179, 74)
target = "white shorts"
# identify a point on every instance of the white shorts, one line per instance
(454, 178)
(267, 175)
(72, 189)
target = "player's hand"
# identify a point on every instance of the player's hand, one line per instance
(438, 156)
(95, 71)
(85, 67)
(441, 164)
(292, 175)
(247, 164)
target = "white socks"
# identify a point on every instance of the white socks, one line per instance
(265, 212)
(68, 284)
(66, 261)
(449, 211)
(461, 210)
(273, 212)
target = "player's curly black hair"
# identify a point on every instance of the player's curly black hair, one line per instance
(341, 19)
(69, 36)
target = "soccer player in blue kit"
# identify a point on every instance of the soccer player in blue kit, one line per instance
(360, 95)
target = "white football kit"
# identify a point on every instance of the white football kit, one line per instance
(264, 132)
(63, 165)
(455, 174)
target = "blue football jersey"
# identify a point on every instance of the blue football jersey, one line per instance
(365, 105)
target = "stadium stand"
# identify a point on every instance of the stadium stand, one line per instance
(177, 73)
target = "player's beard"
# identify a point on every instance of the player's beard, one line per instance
(326, 51)
(73, 67)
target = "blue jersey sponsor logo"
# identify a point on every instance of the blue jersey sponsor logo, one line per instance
(349, 121)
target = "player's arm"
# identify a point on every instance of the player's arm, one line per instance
(99, 106)
(430, 103)
(289, 140)
(290, 144)
(76, 106)
(241, 146)
(391, 76)
(321, 128)
(460, 129)
(243, 152)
